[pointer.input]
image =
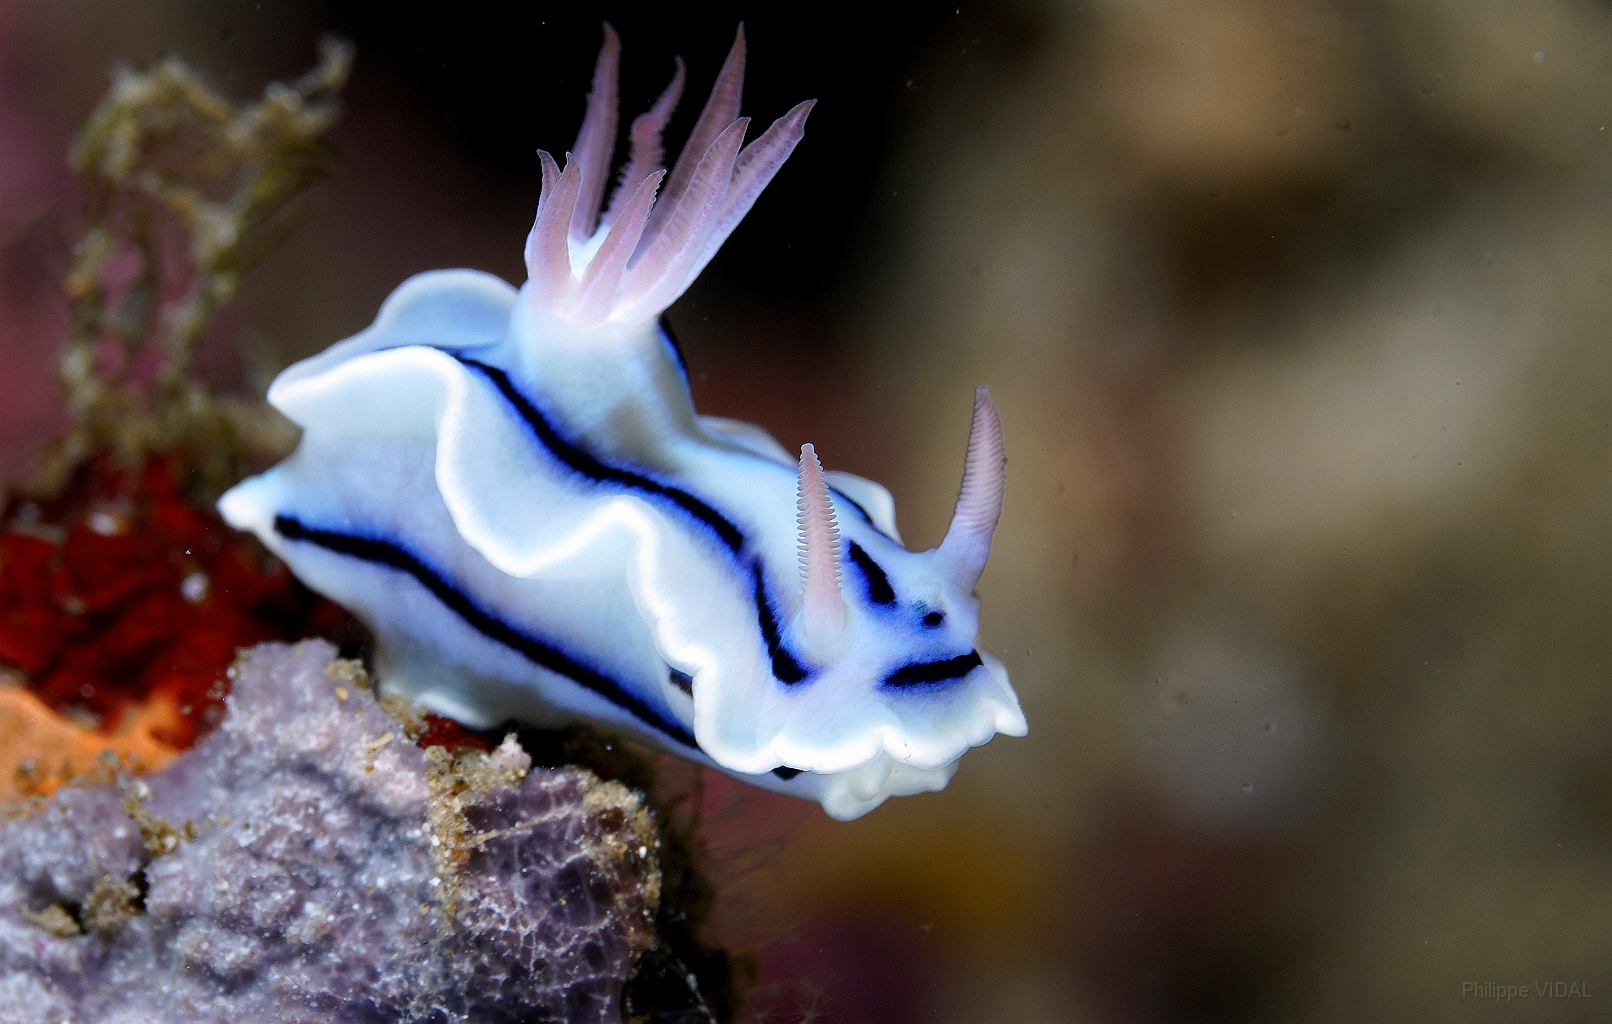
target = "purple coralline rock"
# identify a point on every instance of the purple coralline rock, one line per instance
(306, 863)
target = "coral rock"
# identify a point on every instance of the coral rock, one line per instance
(39, 749)
(123, 604)
(306, 863)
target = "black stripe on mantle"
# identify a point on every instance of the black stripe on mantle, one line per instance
(786, 667)
(539, 652)
(933, 673)
(581, 461)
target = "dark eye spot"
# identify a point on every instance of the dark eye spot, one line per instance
(934, 619)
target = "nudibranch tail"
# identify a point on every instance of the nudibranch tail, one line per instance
(822, 604)
(585, 273)
(967, 544)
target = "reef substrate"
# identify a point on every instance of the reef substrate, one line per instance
(121, 606)
(304, 862)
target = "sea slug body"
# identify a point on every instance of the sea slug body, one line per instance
(513, 490)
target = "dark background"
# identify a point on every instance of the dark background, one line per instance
(1297, 312)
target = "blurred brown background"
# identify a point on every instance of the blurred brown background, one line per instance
(1298, 316)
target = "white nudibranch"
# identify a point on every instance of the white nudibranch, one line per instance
(513, 491)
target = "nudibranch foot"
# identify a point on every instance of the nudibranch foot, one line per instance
(513, 490)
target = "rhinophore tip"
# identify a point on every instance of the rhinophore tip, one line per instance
(822, 604)
(979, 501)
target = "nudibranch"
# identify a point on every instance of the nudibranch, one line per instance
(513, 491)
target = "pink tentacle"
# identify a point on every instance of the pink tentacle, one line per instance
(647, 154)
(967, 544)
(596, 294)
(721, 110)
(663, 272)
(652, 246)
(596, 141)
(548, 253)
(822, 604)
(753, 171)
